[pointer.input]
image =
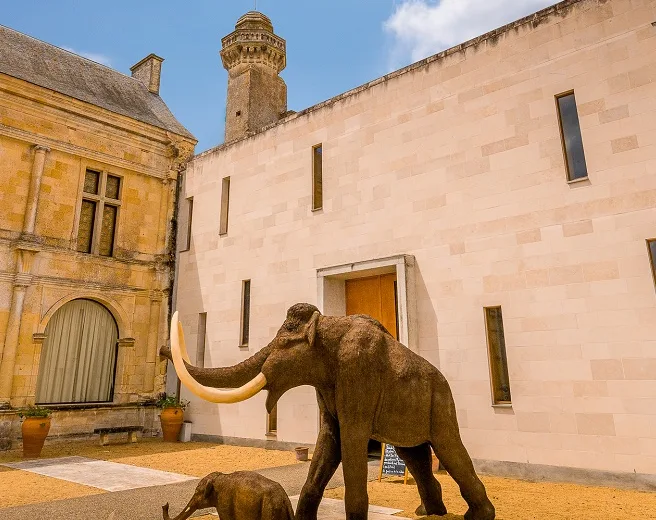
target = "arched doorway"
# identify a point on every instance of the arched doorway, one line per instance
(78, 359)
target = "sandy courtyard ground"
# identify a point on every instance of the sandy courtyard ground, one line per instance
(194, 459)
(520, 500)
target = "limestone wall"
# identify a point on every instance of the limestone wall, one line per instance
(458, 161)
(133, 284)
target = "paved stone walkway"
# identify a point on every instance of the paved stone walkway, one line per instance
(110, 476)
(145, 503)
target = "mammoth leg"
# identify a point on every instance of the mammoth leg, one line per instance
(419, 463)
(355, 442)
(454, 457)
(325, 460)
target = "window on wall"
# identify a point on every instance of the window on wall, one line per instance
(101, 200)
(245, 312)
(190, 216)
(317, 177)
(79, 355)
(200, 343)
(570, 132)
(651, 245)
(272, 421)
(496, 344)
(225, 205)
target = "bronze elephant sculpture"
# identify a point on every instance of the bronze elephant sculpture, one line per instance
(369, 386)
(242, 495)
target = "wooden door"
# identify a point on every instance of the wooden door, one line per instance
(375, 296)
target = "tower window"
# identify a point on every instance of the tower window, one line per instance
(225, 204)
(245, 312)
(317, 177)
(238, 113)
(496, 345)
(101, 195)
(570, 132)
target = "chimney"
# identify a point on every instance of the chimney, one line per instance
(148, 72)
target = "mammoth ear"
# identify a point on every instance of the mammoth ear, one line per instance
(311, 329)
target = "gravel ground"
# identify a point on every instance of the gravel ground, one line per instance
(194, 459)
(521, 500)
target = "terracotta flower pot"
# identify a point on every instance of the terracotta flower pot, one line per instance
(35, 430)
(301, 453)
(171, 419)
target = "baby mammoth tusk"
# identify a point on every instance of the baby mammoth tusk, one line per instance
(214, 395)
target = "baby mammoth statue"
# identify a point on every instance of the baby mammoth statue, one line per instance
(242, 495)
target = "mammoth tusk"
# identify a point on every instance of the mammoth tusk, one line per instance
(214, 395)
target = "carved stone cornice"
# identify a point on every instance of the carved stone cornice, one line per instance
(126, 342)
(181, 151)
(253, 41)
(38, 338)
(79, 151)
(22, 280)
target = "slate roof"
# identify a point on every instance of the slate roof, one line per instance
(47, 66)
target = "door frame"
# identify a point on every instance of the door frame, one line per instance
(331, 290)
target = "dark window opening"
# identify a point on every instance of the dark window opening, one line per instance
(225, 205)
(317, 177)
(570, 131)
(496, 343)
(245, 312)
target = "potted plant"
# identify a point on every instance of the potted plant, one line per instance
(35, 428)
(172, 416)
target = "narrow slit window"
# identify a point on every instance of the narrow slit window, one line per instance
(190, 216)
(317, 177)
(200, 343)
(225, 205)
(496, 344)
(570, 132)
(651, 244)
(272, 421)
(245, 312)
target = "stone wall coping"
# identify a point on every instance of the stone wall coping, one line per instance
(534, 19)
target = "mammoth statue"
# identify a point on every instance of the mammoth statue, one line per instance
(242, 495)
(369, 386)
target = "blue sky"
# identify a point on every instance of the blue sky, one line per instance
(332, 46)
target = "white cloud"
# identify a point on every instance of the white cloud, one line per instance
(421, 28)
(93, 56)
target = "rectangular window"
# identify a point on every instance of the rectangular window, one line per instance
(225, 203)
(200, 343)
(272, 421)
(570, 132)
(245, 312)
(190, 216)
(496, 344)
(651, 244)
(317, 177)
(107, 229)
(99, 212)
(85, 228)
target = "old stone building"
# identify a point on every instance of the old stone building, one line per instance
(493, 205)
(89, 162)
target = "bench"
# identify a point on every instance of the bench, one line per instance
(130, 430)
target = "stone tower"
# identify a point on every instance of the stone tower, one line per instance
(253, 56)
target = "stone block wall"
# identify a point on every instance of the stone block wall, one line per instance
(458, 161)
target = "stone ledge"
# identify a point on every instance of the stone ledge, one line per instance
(250, 443)
(544, 473)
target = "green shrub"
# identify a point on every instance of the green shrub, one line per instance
(171, 401)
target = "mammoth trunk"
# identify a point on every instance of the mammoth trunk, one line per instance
(186, 513)
(246, 378)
